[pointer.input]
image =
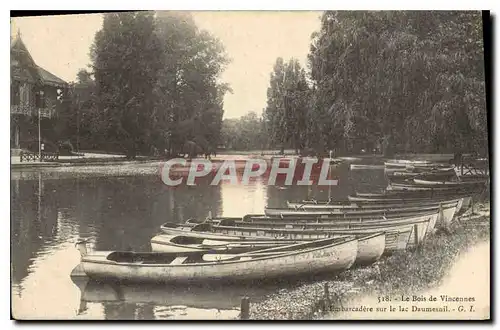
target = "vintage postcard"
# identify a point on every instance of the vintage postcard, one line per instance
(248, 165)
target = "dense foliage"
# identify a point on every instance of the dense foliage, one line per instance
(245, 133)
(399, 81)
(287, 101)
(155, 87)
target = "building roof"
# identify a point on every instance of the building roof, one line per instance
(49, 78)
(28, 70)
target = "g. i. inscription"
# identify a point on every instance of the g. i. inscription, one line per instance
(427, 303)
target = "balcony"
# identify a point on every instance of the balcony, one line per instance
(31, 111)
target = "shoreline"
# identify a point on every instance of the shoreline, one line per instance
(102, 159)
(408, 273)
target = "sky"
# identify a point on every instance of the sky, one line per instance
(253, 40)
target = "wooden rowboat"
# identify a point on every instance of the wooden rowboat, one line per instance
(414, 164)
(370, 247)
(323, 225)
(405, 162)
(466, 200)
(397, 236)
(326, 255)
(331, 210)
(399, 211)
(437, 189)
(183, 243)
(408, 195)
(327, 224)
(355, 167)
(405, 196)
(446, 212)
(363, 204)
(401, 176)
(448, 183)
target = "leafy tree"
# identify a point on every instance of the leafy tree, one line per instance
(245, 133)
(77, 116)
(413, 80)
(287, 105)
(189, 94)
(126, 58)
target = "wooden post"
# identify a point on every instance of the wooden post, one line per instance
(245, 308)
(327, 297)
(415, 229)
(322, 305)
(472, 205)
(441, 218)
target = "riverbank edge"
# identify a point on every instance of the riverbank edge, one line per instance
(122, 160)
(28, 165)
(419, 270)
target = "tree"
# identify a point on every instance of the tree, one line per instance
(77, 115)
(287, 105)
(126, 57)
(412, 78)
(244, 133)
(189, 94)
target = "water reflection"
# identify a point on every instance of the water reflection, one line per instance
(49, 213)
(134, 301)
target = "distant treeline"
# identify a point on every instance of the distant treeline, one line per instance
(153, 87)
(402, 81)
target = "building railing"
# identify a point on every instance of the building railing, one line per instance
(30, 156)
(31, 111)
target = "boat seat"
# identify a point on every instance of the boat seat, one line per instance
(178, 260)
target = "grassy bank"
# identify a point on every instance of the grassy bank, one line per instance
(396, 274)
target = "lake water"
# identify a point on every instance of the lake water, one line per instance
(121, 208)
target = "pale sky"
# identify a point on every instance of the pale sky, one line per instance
(253, 40)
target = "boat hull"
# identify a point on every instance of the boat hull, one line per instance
(366, 205)
(332, 258)
(370, 249)
(163, 243)
(411, 210)
(397, 237)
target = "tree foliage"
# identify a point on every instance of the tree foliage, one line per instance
(245, 133)
(287, 103)
(414, 79)
(157, 82)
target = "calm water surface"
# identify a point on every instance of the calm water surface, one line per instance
(121, 209)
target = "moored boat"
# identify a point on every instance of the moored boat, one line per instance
(434, 183)
(404, 162)
(354, 167)
(319, 224)
(327, 224)
(431, 175)
(397, 236)
(326, 255)
(436, 189)
(183, 243)
(402, 199)
(364, 204)
(395, 211)
(370, 247)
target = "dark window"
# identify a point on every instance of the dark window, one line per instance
(15, 96)
(39, 99)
